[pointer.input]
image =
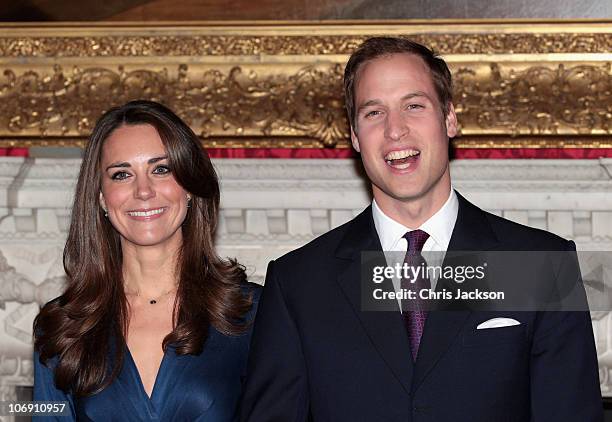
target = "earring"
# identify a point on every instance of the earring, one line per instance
(188, 201)
(106, 213)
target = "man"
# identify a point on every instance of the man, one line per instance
(317, 355)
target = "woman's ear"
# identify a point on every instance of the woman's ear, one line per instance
(103, 202)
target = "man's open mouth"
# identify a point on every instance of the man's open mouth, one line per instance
(402, 159)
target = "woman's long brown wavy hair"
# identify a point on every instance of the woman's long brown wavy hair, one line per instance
(85, 328)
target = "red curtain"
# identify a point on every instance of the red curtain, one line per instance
(280, 153)
(509, 153)
(462, 153)
(13, 152)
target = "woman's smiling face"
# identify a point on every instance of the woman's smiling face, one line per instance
(144, 202)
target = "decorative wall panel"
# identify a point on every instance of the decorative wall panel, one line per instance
(270, 207)
(280, 85)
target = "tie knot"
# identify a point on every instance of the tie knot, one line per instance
(416, 239)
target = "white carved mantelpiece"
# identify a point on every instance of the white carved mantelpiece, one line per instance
(271, 206)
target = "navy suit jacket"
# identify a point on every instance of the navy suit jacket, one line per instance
(315, 355)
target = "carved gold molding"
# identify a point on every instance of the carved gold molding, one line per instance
(240, 45)
(280, 85)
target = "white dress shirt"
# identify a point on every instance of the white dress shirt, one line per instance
(439, 227)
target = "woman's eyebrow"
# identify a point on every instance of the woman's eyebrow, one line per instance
(126, 164)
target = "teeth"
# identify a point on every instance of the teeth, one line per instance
(400, 166)
(146, 213)
(398, 155)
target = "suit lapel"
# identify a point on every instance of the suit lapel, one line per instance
(384, 328)
(472, 232)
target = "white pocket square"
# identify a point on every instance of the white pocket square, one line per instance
(497, 323)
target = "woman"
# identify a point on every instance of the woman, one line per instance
(152, 324)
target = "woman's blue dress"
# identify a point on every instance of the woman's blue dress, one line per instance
(187, 388)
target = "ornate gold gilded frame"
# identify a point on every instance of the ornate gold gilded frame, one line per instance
(517, 83)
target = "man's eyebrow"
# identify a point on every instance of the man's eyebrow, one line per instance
(376, 102)
(415, 94)
(367, 104)
(126, 164)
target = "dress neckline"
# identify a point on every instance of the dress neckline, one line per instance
(138, 378)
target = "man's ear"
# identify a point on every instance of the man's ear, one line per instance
(451, 121)
(354, 140)
(103, 202)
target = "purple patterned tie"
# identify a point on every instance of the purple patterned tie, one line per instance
(414, 316)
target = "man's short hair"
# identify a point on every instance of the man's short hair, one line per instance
(376, 47)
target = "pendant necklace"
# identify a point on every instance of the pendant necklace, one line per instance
(154, 300)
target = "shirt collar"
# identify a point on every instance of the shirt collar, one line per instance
(439, 226)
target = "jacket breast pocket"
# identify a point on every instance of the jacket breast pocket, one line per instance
(495, 336)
